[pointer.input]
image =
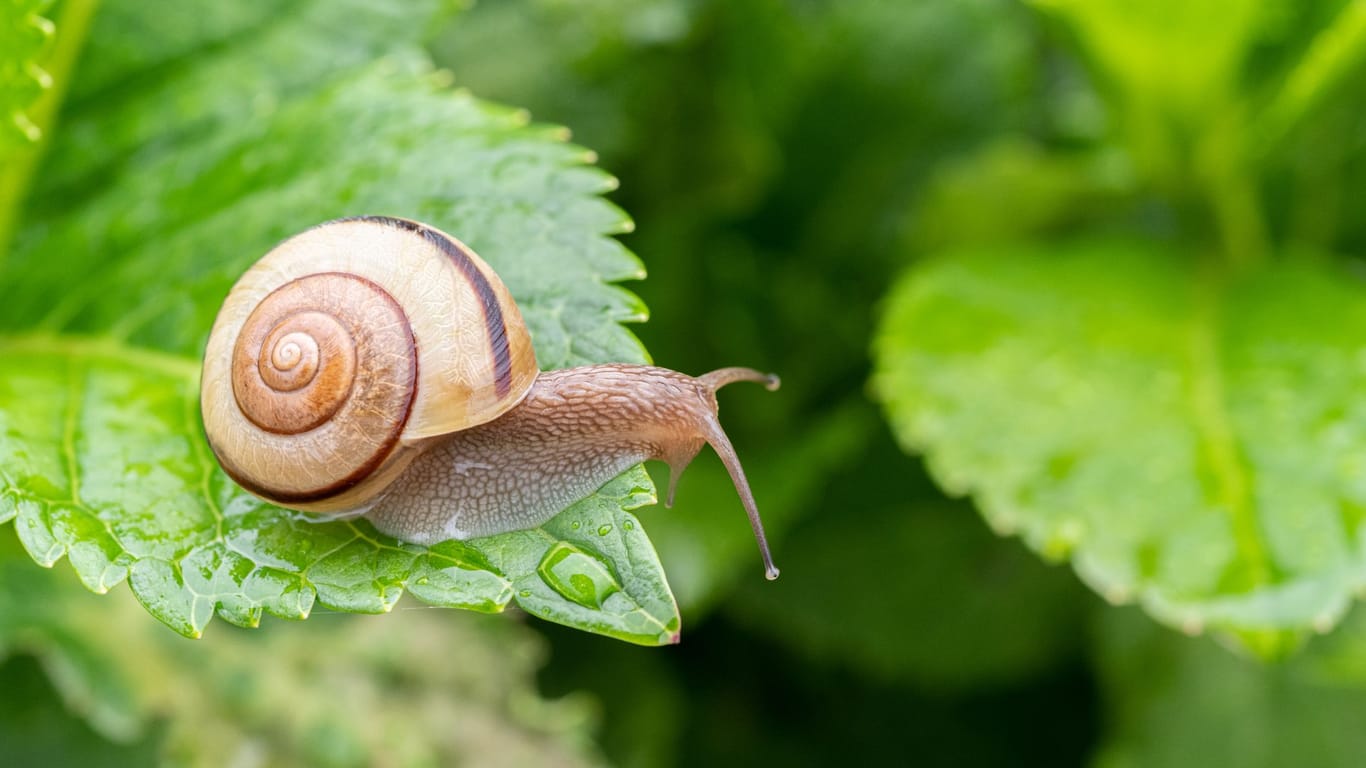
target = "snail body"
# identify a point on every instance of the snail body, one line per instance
(378, 366)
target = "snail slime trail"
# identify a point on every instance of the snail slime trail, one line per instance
(331, 386)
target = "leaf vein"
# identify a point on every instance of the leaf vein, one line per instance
(70, 419)
(1218, 437)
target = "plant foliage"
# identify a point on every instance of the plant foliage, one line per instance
(194, 140)
(1172, 408)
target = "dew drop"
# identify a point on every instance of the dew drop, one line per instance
(574, 525)
(605, 529)
(578, 575)
(628, 525)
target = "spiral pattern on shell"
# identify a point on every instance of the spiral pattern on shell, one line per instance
(347, 350)
(325, 361)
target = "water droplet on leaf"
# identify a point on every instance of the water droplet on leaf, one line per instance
(578, 575)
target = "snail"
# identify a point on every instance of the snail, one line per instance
(377, 366)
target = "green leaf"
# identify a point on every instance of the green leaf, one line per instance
(103, 461)
(1179, 701)
(160, 237)
(1014, 190)
(185, 158)
(1191, 442)
(24, 34)
(418, 688)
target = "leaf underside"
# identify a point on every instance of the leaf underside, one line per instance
(192, 143)
(1190, 441)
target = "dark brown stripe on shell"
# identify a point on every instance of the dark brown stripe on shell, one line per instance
(494, 326)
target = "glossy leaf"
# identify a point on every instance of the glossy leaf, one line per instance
(103, 462)
(185, 156)
(1189, 441)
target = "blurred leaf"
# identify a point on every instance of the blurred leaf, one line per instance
(1014, 190)
(36, 728)
(1190, 441)
(182, 176)
(581, 63)
(102, 460)
(1178, 701)
(183, 182)
(24, 34)
(417, 688)
(642, 706)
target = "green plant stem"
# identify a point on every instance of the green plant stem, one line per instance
(1229, 181)
(1241, 227)
(1335, 54)
(73, 22)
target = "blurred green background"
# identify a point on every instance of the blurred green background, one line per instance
(775, 157)
(784, 161)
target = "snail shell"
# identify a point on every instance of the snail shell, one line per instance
(349, 348)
